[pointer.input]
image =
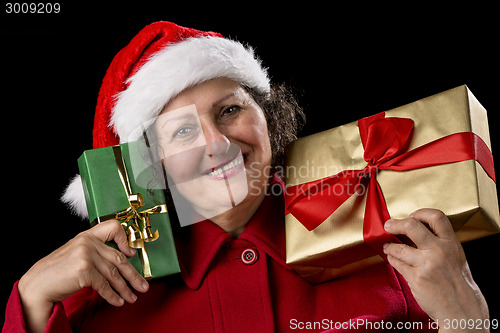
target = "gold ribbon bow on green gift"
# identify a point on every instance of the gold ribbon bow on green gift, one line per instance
(135, 223)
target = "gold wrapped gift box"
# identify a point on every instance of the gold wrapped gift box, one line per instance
(462, 190)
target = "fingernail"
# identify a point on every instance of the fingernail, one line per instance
(132, 251)
(387, 224)
(134, 298)
(385, 245)
(145, 285)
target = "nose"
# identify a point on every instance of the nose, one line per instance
(217, 141)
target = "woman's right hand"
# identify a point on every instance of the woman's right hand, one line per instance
(84, 261)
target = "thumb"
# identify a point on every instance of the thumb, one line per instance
(113, 231)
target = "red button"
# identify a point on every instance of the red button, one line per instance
(249, 256)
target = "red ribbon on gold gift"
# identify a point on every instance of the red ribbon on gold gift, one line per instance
(385, 141)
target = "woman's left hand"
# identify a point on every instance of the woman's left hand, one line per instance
(436, 269)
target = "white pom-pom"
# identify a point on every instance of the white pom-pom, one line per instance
(74, 197)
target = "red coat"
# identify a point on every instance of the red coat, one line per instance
(241, 285)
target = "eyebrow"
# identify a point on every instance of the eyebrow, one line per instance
(184, 116)
(189, 115)
(222, 99)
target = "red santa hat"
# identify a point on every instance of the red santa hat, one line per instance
(162, 60)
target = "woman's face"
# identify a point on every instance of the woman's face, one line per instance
(215, 147)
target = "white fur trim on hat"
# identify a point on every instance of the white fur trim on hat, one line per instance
(177, 67)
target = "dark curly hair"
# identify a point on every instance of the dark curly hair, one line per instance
(285, 118)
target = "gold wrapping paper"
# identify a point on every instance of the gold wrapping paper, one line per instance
(462, 190)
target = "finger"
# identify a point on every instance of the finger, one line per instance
(99, 283)
(121, 267)
(402, 267)
(113, 231)
(413, 229)
(403, 252)
(112, 275)
(437, 221)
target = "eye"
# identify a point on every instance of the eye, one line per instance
(230, 111)
(184, 132)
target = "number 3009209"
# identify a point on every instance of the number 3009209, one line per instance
(32, 8)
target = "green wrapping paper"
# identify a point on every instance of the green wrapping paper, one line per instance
(111, 192)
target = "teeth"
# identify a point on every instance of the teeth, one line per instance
(237, 161)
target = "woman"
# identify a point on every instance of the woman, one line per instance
(234, 276)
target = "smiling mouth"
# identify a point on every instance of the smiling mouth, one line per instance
(238, 161)
(227, 169)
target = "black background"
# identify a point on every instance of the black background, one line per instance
(347, 62)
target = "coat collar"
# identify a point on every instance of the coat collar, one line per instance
(198, 244)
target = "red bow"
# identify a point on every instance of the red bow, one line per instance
(386, 141)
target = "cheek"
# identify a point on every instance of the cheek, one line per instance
(184, 166)
(253, 132)
(263, 143)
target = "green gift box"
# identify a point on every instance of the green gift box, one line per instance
(113, 192)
